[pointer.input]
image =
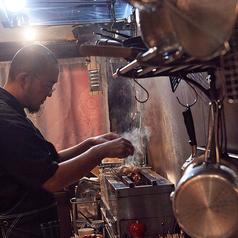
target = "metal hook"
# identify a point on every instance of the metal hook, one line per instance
(144, 90)
(187, 105)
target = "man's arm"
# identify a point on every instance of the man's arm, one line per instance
(72, 170)
(85, 145)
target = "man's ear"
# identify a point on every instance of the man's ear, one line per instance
(23, 79)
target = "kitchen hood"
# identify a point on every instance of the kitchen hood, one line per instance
(62, 12)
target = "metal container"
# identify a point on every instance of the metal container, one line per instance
(157, 31)
(122, 204)
(84, 211)
(86, 203)
(205, 201)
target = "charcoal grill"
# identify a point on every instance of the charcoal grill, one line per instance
(123, 202)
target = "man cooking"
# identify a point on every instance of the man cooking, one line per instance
(31, 169)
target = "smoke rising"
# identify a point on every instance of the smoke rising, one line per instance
(139, 138)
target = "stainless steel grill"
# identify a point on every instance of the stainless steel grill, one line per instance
(123, 202)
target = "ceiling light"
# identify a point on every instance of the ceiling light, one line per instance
(15, 5)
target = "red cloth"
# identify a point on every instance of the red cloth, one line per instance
(72, 115)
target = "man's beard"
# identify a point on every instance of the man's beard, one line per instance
(33, 110)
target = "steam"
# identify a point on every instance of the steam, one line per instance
(139, 138)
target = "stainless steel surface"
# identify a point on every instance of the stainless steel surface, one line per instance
(203, 26)
(205, 201)
(157, 31)
(91, 208)
(150, 204)
(86, 203)
(141, 58)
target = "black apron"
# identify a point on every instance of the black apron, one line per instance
(38, 223)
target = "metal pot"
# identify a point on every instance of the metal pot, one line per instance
(205, 201)
(203, 26)
(157, 31)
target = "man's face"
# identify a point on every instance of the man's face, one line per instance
(40, 88)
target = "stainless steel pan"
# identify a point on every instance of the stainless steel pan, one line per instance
(205, 201)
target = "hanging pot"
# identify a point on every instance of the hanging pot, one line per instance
(203, 26)
(158, 32)
(205, 201)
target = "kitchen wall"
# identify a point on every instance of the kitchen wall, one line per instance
(167, 143)
(168, 147)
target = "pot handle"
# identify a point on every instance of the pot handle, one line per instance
(216, 108)
(108, 51)
(188, 120)
(212, 142)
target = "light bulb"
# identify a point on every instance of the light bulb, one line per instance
(15, 5)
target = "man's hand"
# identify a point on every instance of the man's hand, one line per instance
(117, 147)
(105, 138)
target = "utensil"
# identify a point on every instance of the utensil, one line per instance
(109, 51)
(157, 31)
(129, 41)
(205, 201)
(203, 27)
